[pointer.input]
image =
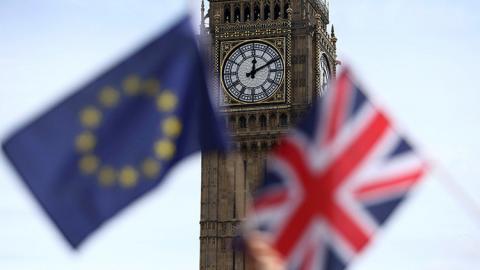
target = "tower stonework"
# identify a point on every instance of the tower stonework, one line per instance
(270, 59)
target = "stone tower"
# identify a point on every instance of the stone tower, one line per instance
(270, 59)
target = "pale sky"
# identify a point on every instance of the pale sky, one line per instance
(417, 59)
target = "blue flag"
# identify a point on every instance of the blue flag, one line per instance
(117, 137)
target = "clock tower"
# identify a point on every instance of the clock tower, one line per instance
(270, 59)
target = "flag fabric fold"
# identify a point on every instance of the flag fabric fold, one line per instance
(117, 137)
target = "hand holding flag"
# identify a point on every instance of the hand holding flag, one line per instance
(261, 254)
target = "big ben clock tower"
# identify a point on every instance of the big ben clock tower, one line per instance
(270, 59)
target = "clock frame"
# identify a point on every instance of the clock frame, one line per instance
(325, 73)
(246, 85)
(279, 96)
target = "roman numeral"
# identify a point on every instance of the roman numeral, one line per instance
(234, 83)
(233, 62)
(264, 51)
(231, 73)
(242, 52)
(243, 90)
(264, 90)
(276, 69)
(272, 81)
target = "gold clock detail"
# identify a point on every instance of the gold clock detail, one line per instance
(253, 72)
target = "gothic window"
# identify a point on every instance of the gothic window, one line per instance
(276, 10)
(263, 121)
(236, 14)
(264, 147)
(247, 11)
(294, 118)
(283, 120)
(273, 120)
(242, 122)
(266, 11)
(256, 11)
(252, 121)
(231, 122)
(243, 147)
(274, 145)
(285, 8)
(223, 244)
(226, 14)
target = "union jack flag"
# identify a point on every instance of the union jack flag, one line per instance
(334, 181)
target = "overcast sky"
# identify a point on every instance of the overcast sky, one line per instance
(418, 59)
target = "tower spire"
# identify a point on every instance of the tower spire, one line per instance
(333, 37)
(202, 16)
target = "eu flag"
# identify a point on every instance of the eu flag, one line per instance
(117, 137)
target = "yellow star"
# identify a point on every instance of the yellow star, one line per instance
(172, 127)
(151, 87)
(132, 84)
(90, 117)
(106, 176)
(128, 177)
(150, 168)
(166, 101)
(88, 164)
(165, 149)
(108, 97)
(85, 142)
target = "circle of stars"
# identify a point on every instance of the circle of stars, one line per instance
(164, 148)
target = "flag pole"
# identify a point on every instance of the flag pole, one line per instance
(457, 191)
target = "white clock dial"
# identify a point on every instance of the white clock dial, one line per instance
(253, 72)
(324, 73)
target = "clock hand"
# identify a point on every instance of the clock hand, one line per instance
(252, 73)
(267, 64)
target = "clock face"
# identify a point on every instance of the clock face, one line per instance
(324, 73)
(253, 72)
